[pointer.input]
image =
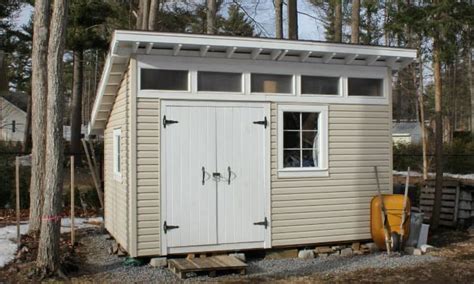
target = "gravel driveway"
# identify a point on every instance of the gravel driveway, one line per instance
(99, 266)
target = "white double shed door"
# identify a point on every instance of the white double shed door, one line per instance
(215, 176)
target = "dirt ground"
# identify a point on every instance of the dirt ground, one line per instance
(90, 262)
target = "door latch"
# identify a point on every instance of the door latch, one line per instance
(167, 121)
(263, 223)
(263, 122)
(216, 175)
(167, 227)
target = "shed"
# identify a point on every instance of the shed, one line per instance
(219, 143)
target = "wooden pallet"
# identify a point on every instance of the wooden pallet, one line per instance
(449, 203)
(183, 266)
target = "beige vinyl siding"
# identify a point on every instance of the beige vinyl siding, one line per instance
(115, 191)
(148, 176)
(334, 208)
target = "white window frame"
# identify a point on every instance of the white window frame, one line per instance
(171, 68)
(320, 171)
(117, 157)
(292, 86)
(242, 82)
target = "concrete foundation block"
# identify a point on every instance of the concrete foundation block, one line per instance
(159, 262)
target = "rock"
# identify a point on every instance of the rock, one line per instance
(281, 254)
(426, 248)
(239, 256)
(409, 250)
(471, 231)
(372, 247)
(417, 251)
(159, 262)
(346, 252)
(322, 255)
(355, 246)
(336, 253)
(306, 254)
(325, 249)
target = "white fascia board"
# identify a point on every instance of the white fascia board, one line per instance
(265, 43)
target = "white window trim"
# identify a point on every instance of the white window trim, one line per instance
(340, 86)
(171, 68)
(242, 84)
(323, 124)
(117, 134)
(258, 66)
(292, 87)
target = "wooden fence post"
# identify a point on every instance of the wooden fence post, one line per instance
(72, 203)
(17, 180)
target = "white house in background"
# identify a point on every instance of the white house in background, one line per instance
(406, 132)
(218, 143)
(12, 121)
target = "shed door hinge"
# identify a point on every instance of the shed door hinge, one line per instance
(167, 227)
(263, 223)
(263, 122)
(167, 121)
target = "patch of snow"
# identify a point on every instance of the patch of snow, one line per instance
(417, 174)
(8, 245)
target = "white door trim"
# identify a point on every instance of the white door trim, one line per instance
(267, 164)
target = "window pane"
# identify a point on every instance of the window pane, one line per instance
(157, 79)
(118, 154)
(319, 85)
(291, 120)
(365, 87)
(219, 82)
(291, 159)
(309, 158)
(291, 139)
(309, 139)
(271, 83)
(310, 120)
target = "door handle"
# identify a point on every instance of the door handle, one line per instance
(230, 174)
(203, 175)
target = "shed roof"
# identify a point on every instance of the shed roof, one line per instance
(125, 43)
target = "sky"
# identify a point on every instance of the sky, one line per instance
(260, 10)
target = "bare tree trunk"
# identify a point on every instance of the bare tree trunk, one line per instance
(418, 82)
(76, 104)
(355, 21)
(27, 133)
(154, 6)
(139, 13)
(211, 17)
(338, 21)
(438, 134)
(279, 18)
(292, 19)
(145, 14)
(39, 85)
(48, 248)
(471, 86)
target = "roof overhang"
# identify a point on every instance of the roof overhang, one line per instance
(127, 43)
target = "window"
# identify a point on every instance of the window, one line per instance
(158, 79)
(319, 85)
(116, 152)
(365, 87)
(271, 83)
(302, 140)
(219, 82)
